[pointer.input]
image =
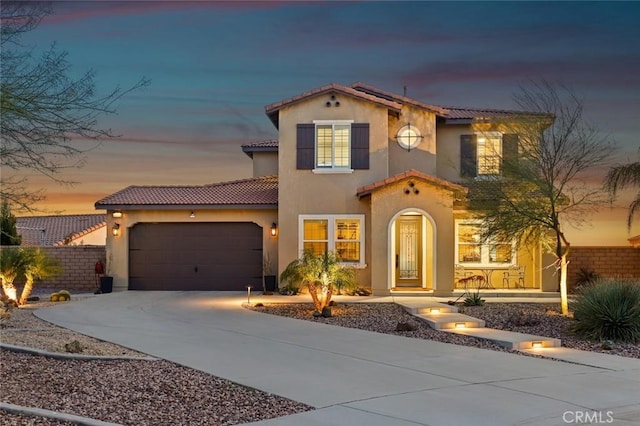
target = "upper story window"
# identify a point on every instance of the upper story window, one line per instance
(333, 145)
(471, 252)
(484, 154)
(342, 234)
(489, 153)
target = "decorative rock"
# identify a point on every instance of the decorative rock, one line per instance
(73, 347)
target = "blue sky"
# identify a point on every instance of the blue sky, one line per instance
(214, 66)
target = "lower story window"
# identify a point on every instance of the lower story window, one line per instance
(342, 234)
(470, 251)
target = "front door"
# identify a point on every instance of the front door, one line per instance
(409, 251)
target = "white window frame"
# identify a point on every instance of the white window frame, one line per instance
(485, 249)
(331, 236)
(487, 135)
(333, 168)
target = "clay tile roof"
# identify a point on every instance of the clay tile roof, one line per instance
(246, 192)
(374, 91)
(368, 189)
(58, 230)
(262, 146)
(272, 109)
(485, 114)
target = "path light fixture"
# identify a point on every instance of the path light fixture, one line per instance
(460, 325)
(249, 294)
(115, 229)
(536, 345)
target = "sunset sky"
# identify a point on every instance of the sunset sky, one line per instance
(214, 66)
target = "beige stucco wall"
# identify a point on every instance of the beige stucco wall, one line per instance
(265, 164)
(118, 247)
(306, 192)
(436, 204)
(448, 159)
(423, 157)
(93, 238)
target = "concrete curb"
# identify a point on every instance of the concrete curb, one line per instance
(41, 412)
(61, 355)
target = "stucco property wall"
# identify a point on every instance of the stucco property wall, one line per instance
(605, 261)
(77, 263)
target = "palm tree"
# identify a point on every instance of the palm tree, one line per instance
(12, 265)
(320, 274)
(37, 265)
(621, 177)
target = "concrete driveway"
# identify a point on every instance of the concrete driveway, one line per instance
(355, 377)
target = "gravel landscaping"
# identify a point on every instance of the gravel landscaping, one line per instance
(531, 318)
(144, 392)
(129, 392)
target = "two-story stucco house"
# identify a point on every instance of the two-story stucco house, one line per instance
(374, 176)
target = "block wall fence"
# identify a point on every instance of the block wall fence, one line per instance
(78, 273)
(605, 261)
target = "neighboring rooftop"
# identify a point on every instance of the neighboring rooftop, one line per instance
(58, 230)
(256, 192)
(262, 146)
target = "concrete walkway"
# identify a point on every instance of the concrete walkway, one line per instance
(355, 377)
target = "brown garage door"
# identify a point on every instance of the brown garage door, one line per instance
(195, 256)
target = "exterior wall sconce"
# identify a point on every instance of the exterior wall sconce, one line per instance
(115, 229)
(117, 214)
(192, 215)
(274, 230)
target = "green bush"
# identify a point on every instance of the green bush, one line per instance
(608, 309)
(474, 299)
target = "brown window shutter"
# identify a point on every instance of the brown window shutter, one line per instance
(305, 146)
(360, 146)
(468, 156)
(509, 153)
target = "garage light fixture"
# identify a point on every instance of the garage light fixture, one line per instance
(117, 214)
(115, 229)
(274, 230)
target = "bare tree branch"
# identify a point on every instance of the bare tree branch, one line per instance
(43, 108)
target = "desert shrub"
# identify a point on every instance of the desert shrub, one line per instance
(586, 276)
(608, 309)
(61, 296)
(289, 289)
(474, 299)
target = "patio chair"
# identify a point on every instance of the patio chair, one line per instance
(460, 274)
(515, 273)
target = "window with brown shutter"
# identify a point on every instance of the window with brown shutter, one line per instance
(322, 145)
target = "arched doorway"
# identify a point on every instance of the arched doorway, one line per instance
(411, 247)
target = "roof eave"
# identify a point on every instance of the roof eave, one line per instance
(199, 207)
(250, 150)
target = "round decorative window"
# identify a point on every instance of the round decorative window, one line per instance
(409, 137)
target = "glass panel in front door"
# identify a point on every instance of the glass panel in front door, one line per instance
(409, 250)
